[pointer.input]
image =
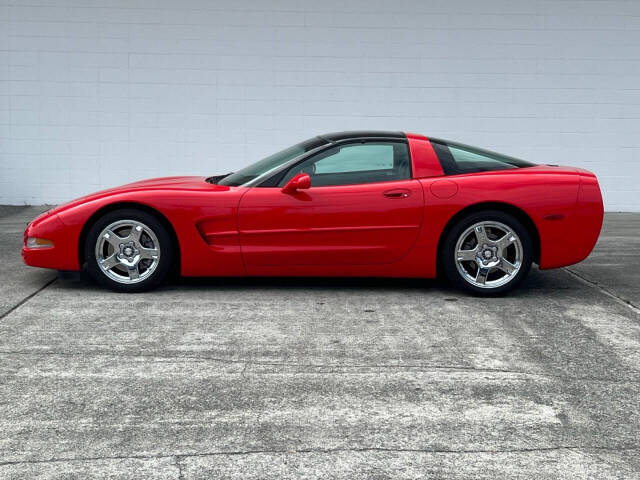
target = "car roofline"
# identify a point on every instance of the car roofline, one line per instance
(355, 134)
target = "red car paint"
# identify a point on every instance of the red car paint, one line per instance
(389, 229)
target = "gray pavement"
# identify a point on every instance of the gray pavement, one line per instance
(293, 378)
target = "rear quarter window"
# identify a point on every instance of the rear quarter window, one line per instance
(457, 158)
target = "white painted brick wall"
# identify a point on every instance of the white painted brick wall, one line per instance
(95, 93)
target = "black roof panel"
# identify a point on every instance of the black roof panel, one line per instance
(336, 136)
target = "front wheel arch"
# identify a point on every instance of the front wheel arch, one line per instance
(520, 215)
(137, 206)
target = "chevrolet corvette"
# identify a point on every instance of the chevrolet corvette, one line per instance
(384, 204)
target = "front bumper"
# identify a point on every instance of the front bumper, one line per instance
(63, 255)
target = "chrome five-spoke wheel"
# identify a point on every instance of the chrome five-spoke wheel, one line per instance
(127, 251)
(488, 254)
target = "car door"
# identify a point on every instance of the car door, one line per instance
(362, 208)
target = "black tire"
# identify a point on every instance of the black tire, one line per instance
(151, 227)
(449, 255)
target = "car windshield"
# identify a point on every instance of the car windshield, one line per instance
(270, 163)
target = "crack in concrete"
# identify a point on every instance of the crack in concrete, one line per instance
(246, 363)
(179, 457)
(604, 290)
(178, 464)
(26, 299)
(244, 369)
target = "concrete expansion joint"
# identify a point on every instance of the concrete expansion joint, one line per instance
(337, 368)
(180, 457)
(605, 291)
(27, 298)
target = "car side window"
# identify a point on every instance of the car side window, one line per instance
(468, 161)
(458, 159)
(356, 163)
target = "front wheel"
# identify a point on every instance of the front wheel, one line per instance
(128, 250)
(487, 253)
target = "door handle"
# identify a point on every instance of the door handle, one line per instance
(397, 193)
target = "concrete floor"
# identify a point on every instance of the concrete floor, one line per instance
(271, 378)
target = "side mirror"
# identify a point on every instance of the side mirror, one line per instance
(302, 181)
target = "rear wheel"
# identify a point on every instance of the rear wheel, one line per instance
(487, 253)
(128, 250)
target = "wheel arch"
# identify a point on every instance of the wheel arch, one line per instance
(133, 205)
(517, 212)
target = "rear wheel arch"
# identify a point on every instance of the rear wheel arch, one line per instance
(520, 215)
(133, 205)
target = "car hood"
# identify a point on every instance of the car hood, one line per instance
(162, 183)
(178, 183)
(191, 183)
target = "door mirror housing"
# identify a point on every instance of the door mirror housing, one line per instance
(302, 181)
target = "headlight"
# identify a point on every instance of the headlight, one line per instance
(35, 242)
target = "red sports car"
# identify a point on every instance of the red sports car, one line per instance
(384, 204)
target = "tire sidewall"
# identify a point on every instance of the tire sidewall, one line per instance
(448, 251)
(164, 239)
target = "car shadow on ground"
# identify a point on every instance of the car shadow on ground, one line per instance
(537, 280)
